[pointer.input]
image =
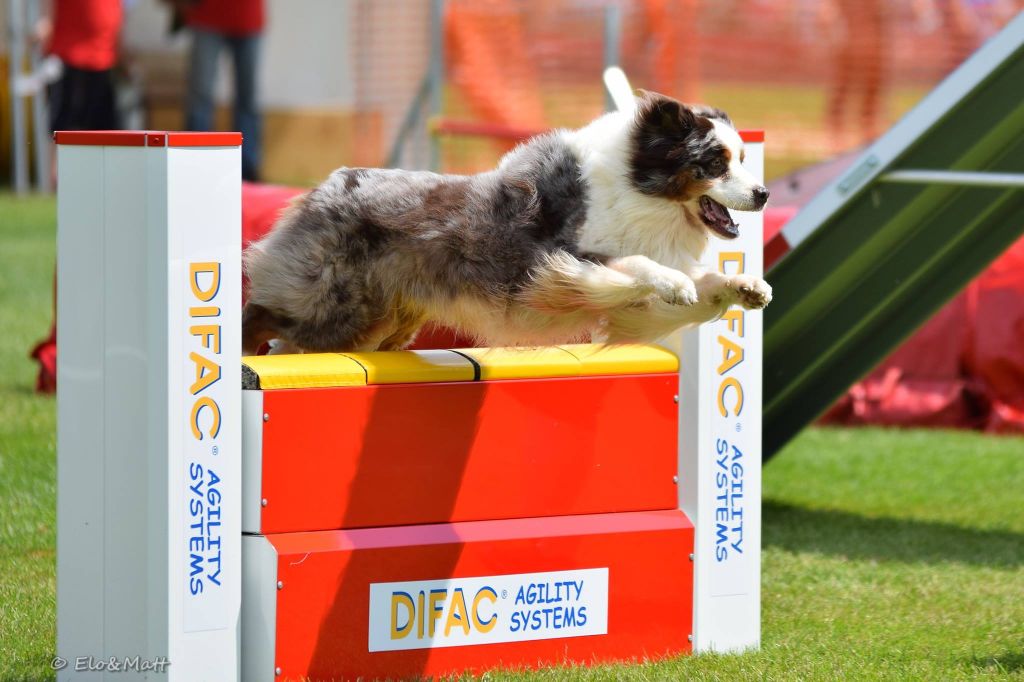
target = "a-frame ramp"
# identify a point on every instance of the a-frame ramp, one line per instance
(880, 249)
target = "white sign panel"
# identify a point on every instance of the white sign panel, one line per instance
(736, 441)
(488, 610)
(204, 480)
(206, 462)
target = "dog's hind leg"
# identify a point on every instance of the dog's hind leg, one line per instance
(407, 324)
(393, 332)
(259, 326)
(282, 347)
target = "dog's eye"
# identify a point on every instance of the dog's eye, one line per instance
(716, 167)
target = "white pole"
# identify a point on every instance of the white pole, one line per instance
(16, 52)
(720, 449)
(42, 144)
(963, 178)
(148, 424)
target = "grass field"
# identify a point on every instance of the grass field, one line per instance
(887, 554)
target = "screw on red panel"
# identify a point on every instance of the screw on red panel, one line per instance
(266, 417)
(675, 479)
(277, 671)
(280, 585)
(691, 556)
(689, 638)
(675, 399)
(263, 502)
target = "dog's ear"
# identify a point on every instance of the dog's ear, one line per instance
(666, 116)
(710, 112)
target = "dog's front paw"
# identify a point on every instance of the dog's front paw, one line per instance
(675, 289)
(753, 293)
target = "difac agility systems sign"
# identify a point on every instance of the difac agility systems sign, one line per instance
(488, 610)
(206, 598)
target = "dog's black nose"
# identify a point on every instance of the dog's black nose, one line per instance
(760, 196)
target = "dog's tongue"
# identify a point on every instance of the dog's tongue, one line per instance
(718, 218)
(717, 211)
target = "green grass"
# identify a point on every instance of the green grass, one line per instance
(27, 442)
(887, 554)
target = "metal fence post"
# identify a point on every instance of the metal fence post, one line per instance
(16, 33)
(40, 119)
(436, 72)
(612, 42)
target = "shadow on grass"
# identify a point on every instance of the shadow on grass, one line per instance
(839, 533)
(1009, 662)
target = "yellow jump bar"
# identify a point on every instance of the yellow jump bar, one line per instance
(269, 372)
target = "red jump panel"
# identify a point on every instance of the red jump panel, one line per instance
(434, 600)
(384, 455)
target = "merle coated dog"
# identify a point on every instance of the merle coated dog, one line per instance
(577, 235)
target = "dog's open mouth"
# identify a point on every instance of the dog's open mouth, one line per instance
(717, 218)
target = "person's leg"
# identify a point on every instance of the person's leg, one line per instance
(874, 62)
(60, 96)
(83, 100)
(844, 73)
(100, 109)
(245, 55)
(202, 75)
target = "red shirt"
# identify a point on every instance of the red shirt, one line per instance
(230, 17)
(85, 33)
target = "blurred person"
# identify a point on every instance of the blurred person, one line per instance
(84, 35)
(961, 28)
(664, 37)
(861, 61)
(995, 14)
(965, 24)
(489, 61)
(670, 27)
(237, 26)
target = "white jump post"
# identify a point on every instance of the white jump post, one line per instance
(720, 445)
(148, 435)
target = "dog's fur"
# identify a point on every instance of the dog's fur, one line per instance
(594, 233)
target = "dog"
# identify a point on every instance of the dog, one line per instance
(593, 234)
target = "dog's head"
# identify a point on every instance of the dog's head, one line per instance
(693, 155)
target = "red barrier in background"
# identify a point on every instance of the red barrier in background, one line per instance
(963, 368)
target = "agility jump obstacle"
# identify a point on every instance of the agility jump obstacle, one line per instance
(386, 514)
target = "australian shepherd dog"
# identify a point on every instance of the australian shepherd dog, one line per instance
(577, 235)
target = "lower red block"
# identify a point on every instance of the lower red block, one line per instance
(431, 600)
